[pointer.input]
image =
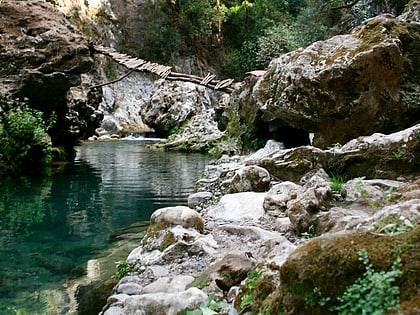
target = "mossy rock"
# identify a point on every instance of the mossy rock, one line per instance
(93, 297)
(330, 264)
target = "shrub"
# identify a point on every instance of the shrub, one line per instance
(123, 269)
(23, 136)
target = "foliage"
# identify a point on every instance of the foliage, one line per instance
(209, 307)
(276, 41)
(23, 135)
(241, 60)
(398, 153)
(252, 278)
(373, 293)
(247, 33)
(359, 185)
(253, 140)
(393, 225)
(122, 269)
(160, 38)
(337, 182)
(195, 19)
(311, 233)
(390, 195)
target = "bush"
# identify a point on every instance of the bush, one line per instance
(23, 136)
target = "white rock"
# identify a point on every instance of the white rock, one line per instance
(181, 215)
(239, 206)
(279, 195)
(129, 288)
(163, 303)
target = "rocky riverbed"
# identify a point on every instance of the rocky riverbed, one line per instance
(286, 215)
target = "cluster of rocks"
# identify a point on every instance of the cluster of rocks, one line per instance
(244, 215)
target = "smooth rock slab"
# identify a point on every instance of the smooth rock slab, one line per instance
(159, 303)
(239, 206)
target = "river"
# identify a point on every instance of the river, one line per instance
(50, 226)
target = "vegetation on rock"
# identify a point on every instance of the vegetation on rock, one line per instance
(309, 277)
(24, 138)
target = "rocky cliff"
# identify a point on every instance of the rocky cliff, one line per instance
(44, 59)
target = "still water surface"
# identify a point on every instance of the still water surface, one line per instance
(51, 225)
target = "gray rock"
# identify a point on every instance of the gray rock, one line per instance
(199, 198)
(117, 298)
(181, 215)
(301, 210)
(179, 283)
(269, 147)
(163, 303)
(113, 310)
(339, 219)
(239, 206)
(404, 213)
(250, 178)
(129, 288)
(160, 285)
(279, 195)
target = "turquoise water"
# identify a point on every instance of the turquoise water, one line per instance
(49, 226)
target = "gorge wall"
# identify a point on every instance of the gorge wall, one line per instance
(44, 59)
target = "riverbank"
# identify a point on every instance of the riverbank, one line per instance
(259, 212)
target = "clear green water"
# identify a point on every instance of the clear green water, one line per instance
(51, 225)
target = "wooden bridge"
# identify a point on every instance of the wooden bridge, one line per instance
(165, 72)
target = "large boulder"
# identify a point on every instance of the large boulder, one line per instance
(171, 104)
(323, 267)
(349, 85)
(42, 58)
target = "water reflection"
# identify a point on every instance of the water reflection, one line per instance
(49, 226)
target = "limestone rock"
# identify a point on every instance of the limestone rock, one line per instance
(238, 206)
(172, 103)
(348, 85)
(396, 217)
(315, 197)
(181, 215)
(123, 101)
(279, 195)
(159, 303)
(338, 219)
(250, 178)
(198, 198)
(170, 244)
(378, 155)
(169, 285)
(43, 57)
(129, 288)
(228, 271)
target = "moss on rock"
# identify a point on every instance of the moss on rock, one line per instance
(330, 263)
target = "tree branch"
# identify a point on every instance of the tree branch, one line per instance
(113, 81)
